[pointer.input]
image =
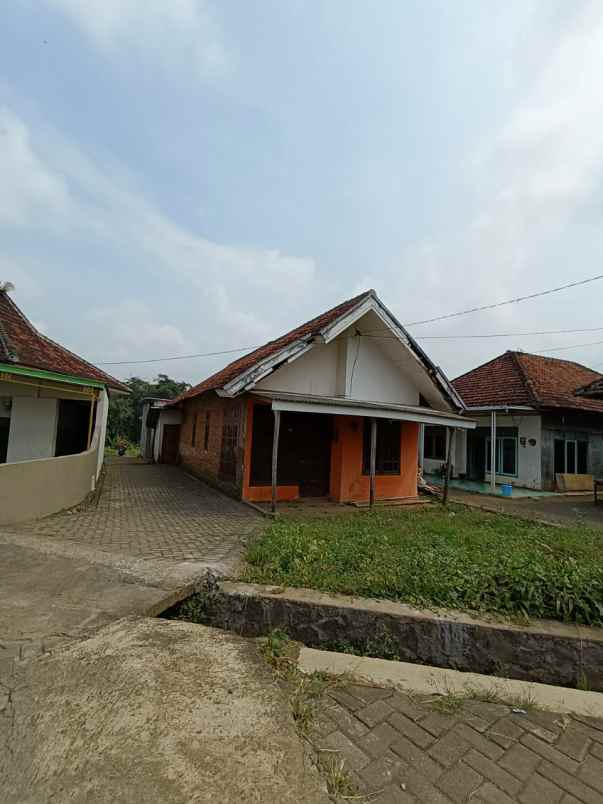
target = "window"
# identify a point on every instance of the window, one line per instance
(571, 457)
(434, 445)
(389, 435)
(228, 455)
(506, 456)
(206, 434)
(194, 433)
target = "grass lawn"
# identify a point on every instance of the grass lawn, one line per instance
(436, 557)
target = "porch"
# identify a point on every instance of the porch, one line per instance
(347, 451)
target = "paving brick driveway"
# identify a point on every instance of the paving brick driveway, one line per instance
(152, 511)
(400, 749)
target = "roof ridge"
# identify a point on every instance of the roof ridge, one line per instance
(529, 385)
(348, 304)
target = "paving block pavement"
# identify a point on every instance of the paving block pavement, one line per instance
(399, 747)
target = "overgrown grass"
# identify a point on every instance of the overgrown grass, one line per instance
(455, 558)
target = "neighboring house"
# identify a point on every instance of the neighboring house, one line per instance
(311, 412)
(53, 413)
(533, 423)
(159, 430)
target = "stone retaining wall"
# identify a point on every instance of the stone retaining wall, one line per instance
(545, 651)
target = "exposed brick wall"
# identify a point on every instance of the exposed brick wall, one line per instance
(207, 463)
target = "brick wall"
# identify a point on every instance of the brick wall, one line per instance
(207, 463)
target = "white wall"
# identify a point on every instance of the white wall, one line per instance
(315, 372)
(529, 473)
(165, 417)
(352, 367)
(33, 428)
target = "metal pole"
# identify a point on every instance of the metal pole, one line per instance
(493, 452)
(277, 427)
(373, 461)
(448, 464)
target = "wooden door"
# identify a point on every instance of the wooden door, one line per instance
(169, 444)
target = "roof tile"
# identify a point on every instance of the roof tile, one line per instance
(22, 345)
(518, 378)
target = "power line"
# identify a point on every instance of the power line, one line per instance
(176, 357)
(575, 346)
(373, 334)
(411, 324)
(503, 303)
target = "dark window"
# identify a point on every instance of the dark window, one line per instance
(582, 457)
(194, 434)
(559, 456)
(73, 426)
(228, 455)
(4, 430)
(206, 434)
(389, 434)
(571, 457)
(434, 445)
(506, 455)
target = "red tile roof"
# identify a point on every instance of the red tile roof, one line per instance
(241, 364)
(22, 345)
(518, 378)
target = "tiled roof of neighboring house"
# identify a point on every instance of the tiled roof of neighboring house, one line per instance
(241, 364)
(593, 389)
(518, 378)
(22, 345)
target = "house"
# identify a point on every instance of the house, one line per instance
(53, 414)
(332, 408)
(534, 424)
(159, 430)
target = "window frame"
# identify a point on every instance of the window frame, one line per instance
(499, 456)
(379, 458)
(579, 445)
(432, 436)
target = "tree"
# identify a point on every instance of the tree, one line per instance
(125, 411)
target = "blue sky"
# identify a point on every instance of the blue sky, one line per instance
(199, 175)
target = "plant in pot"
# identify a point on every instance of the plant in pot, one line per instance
(121, 445)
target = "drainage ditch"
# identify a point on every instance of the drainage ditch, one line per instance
(544, 651)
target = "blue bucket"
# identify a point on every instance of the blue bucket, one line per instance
(506, 489)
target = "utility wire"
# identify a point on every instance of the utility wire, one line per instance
(509, 301)
(575, 346)
(411, 324)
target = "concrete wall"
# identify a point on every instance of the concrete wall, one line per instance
(575, 427)
(529, 473)
(33, 428)
(31, 489)
(165, 417)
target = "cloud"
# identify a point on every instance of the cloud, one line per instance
(537, 187)
(170, 33)
(228, 296)
(27, 187)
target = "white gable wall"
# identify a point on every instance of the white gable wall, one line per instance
(315, 372)
(350, 366)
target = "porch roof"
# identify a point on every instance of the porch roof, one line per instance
(341, 406)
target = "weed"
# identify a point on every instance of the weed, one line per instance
(448, 703)
(583, 682)
(474, 561)
(337, 777)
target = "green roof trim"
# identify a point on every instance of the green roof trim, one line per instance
(55, 376)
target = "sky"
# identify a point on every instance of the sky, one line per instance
(202, 175)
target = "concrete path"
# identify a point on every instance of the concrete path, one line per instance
(560, 510)
(101, 703)
(152, 711)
